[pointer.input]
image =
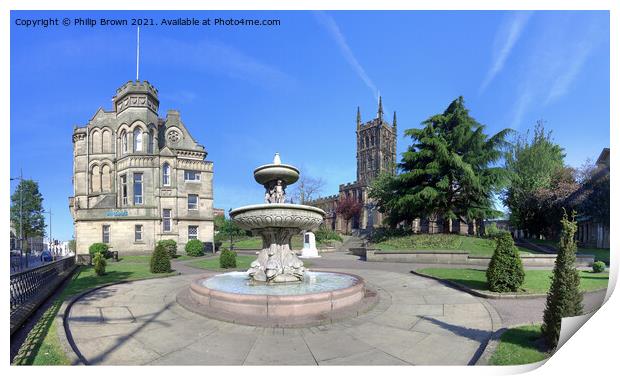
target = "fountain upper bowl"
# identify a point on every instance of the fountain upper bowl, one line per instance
(270, 172)
(254, 217)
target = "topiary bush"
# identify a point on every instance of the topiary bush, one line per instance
(160, 260)
(228, 259)
(194, 248)
(98, 248)
(100, 263)
(505, 272)
(170, 246)
(598, 267)
(564, 298)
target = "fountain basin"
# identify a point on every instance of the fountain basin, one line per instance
(300, 217)
(322, 297)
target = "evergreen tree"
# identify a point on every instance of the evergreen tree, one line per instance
(505, 272)
(564, 298)
(448, 172)
(27, 209)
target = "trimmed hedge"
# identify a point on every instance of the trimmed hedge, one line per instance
(505, 272)
(100, 263)
(160, 260)
(98, 248)
(170, 246)
(194, 248)
(228, 259)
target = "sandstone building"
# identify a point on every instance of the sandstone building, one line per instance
(376, 154)
(138, 178)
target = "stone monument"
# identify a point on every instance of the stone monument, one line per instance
(309, 250)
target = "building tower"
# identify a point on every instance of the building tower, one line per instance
(376, 147)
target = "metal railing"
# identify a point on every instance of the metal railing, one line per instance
(27, 285)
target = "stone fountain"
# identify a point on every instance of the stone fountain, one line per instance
(276, 222)
(278, 290)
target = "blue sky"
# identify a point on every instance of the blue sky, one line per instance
(247, 92)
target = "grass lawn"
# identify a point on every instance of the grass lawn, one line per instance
(536, 281)
(600, 254)
(42, 346)
(213, 263)
(520, 345)
(441, 242)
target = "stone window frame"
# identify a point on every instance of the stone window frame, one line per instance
(104, 233)
(123, 190)
(189, 232)
(141, 195)
(137, 231)
(188, 173)
(138, 142)
(124, 142)
(196, 204)
(167, 219)
(165, 182)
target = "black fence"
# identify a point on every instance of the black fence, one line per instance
(31, 287)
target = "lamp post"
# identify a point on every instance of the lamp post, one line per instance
(50, 238)
(230, 230)
(21, 218)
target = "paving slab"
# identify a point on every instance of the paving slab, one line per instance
(417, 321)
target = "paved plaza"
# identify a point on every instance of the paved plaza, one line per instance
(417, 321)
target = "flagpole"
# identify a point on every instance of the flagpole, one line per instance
(138, 56)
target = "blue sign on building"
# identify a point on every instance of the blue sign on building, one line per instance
(117, 213)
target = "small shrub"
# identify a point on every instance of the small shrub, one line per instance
(160, 260)
(100, 263)
(194, 248)
(322, 235)
(228, 259)
(491, 231)
(505, 272)
(598, 267)
(170, 246)
(99, 248)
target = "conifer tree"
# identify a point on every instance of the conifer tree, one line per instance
(448, 172)
(505, 272)
(564, 298)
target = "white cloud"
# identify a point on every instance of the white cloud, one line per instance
(555, 61)
(332, 27)
(215, 56)
(505, 40)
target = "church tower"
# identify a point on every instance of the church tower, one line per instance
(376, 146)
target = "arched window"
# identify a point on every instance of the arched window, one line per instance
(165, 174)
(137, 139)
(124, 142)
(149, 145)
(107, 141)
(95, 179)
(106, 179)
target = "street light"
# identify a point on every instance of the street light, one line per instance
(230, 230)
(50, 239)
(21, 217)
